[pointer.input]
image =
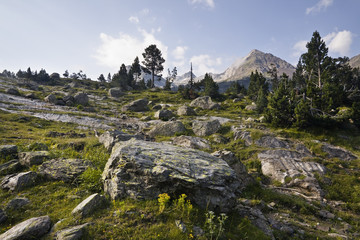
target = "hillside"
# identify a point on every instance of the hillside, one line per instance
(79, 157)
(355, 61)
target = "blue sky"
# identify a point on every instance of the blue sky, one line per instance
(98, 36)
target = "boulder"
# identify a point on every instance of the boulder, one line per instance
(68, 98)
(337, 152)
(164, 114)
(33, 228)
(205, 103)
(81, 98)
(157, 107)
(272, 142)
(51, 98)
(17, 203)
(63, 169)
(10, 167)
(191, 142)
(143, 170)
(3, 216)
(13, 91)
(30, 95)
(72, 233)
(205, 128)
(109, 138)
(89, 205)
(16, 182)
(8, 151)
(139, 105)
(243, 135)
(167, 129)
(115, 92)
(33, 158)
(186, 111)
(251, 107)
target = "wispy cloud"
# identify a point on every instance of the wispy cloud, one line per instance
(320, 6)
(134, 19)
(179, 56)
(208, 3)
(339, 43)
(205, 64)
(299, 48)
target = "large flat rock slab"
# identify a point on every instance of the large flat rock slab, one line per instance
(143, 170)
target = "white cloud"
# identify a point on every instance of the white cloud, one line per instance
(208, 3)
(320, 6)
(339, 43)
(179, 56)
(134, 19)
(205, 64)
(299, 48)
(114, 51)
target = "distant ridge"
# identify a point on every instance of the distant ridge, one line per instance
(355, 61)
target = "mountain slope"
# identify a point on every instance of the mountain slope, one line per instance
(355, 61)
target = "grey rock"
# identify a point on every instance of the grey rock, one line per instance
(17, 203)
(251, 107)
(89, 205)
(337, 152)
(10, 167)
(143, 170)
(8, 151)
(243, 135)
(164, 114)
(157, 107)
(33, 228)
(116, 92)
(13, 91)
(191, 142)
(30, 95)
(63, 169)
(205, 103)
(72, 233)
(205, 128)
(3, 216)
(139, 105)
(16, 182)
(220, 139)
(109, 138)
(81, 98)
(326, 214)
(186, 111)
(272, 142)
(338, 236)
(167, 129)
(181, 225)
(323, 227)
(33, 158)
(235, 100)
(51, 98)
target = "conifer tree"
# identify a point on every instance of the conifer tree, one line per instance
(153, 60)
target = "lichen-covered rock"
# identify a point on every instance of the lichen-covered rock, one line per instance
(17, 203)
(109, 138)
(164, 114)
(205, 103)
(13, 91)
(63, 169)
(186, 111)
(205, 128)
(115, 92)
(167, 129)
(337, 152)
(10, 167)
(51, 98)
(72, 233)
(8, 151)
(272, 142)
(33, 158)
(89, 205)
(143, 170)
(81, 98)
(16, 182)
(191, 142)
(139, 105)
(33, 228)
(243, 135)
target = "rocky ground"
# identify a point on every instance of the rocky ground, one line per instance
(95, 164)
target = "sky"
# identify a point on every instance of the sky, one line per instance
(97, 36)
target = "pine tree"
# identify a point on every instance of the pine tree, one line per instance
(302, 114)
(153, 60)
(134, 72)
(101, 78)
(261, 102)
(211, 88)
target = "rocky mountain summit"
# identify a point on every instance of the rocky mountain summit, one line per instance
(149, 164)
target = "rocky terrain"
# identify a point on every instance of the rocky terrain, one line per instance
(84, 163)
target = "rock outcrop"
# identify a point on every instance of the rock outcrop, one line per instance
(143, 170)
(205, 103)
(205, 128)
(81, 98)
(191, 142)
(33, 158)
(337, 152)
(33, 228)
(115, 92)
(19, 181)
(109, 138)
(167, 129)
(186, 111)
(139, 105)
(8, 152)
(9, 167)
(72, 233)
(164, 114)
(89, 205)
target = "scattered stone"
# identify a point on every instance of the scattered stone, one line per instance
(62, 169)
(81, 98)
(30, 95)
(89, 205)
(205, 103)
(191, 142)
(251, 107)
(322, 227)
(139, 105)
(337, 152)
(8, 151)
(205, 128)
(109, 138)
(13, 91)
(164, 114)
(326, 214)
(167, 129)
(33, 158)
(180, 225)
(243, 135)
(51, 99)
(272, 142)
(17, 203)
(186, 111)
(157, 107)
(143, 170)
(3, 216)
(10, 167)
(116, 92)
(72, 233)
(33, 228)
(16, 182)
